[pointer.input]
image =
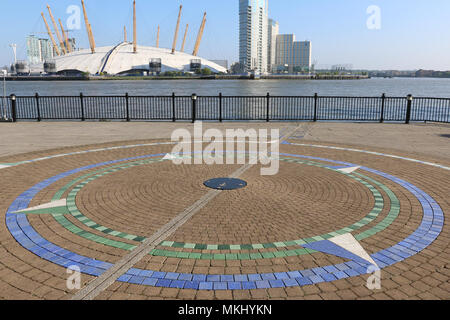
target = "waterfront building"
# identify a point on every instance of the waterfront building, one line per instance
(274, 30)
(253, 35)
(46, 50)
(39, 50)
(292, 56)
(33, 50)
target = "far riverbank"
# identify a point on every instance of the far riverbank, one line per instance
(187, 78)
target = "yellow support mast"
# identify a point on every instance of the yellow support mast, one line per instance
(134, 28)
(51, 35)
(125, 34)
(199, 36)
(55, 26)
(88, 28)
(157, 38)
(175, 38)
(184, 38)
(68, 46)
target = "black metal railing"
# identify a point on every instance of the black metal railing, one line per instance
(227, 108)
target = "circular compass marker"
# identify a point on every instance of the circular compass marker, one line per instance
(225, 184)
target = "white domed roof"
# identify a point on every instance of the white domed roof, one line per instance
(118, 59)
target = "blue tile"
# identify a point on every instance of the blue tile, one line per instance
(234, 285)
(185, 277)
(134, 272)
(177, 284)
(199, 277)
(163, 283)
(319, 271)
(316, 279)
(150, 281)
(254, 277)
(226, 278)
(240, 278)
(146, 273)
(136, 280)
(248, 285)
(294, 274)
(268, 276)
(158, 275)
(328, 277)
(303, 281)
(340, 275)
(192, 285)
(351, 272)
(281, 275)
(276, 283)
(220, 286)
(290, 282)
(172, 276)
(331, 269)
(213, 278)
(205, 286)
(262, 284)
(124, 278)
(307, 273)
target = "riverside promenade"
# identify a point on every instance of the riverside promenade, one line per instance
(101, 197)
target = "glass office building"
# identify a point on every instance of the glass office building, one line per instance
(253, 35)
(274, 30)
(39, 50)
(33, 50)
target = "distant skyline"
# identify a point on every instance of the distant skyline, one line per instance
(410, 35)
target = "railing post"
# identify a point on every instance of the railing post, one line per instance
(83, 118)
(13, 108)
(194, 107)
(127, 106)
(409, 108)
(268, 107)
(220, 107)
(174, 115)
(316, 98)
(37, 107)
(383, 102)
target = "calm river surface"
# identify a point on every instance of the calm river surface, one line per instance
(399, 87)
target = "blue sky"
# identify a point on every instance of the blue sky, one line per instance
(412, 33)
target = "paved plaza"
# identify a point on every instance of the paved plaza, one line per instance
(103, 197)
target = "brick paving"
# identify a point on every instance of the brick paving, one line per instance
(300, 202)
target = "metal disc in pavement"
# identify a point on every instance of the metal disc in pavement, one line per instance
(225, 184)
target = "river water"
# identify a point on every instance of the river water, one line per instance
(399, 87)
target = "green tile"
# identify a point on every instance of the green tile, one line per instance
(231, 256)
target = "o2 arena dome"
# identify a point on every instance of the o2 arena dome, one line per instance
(121, 59)
(126, 58)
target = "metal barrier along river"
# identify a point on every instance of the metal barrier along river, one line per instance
(226, 108)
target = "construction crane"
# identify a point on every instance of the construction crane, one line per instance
(175, 38)
(88, 28)
(199, 36)
(68, 46)
(157, 38)
(55, 26)
(134, 28)
(51, 35)
(184, 38)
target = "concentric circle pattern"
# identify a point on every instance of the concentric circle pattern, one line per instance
(90, 207)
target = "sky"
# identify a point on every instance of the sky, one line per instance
(403, 34)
